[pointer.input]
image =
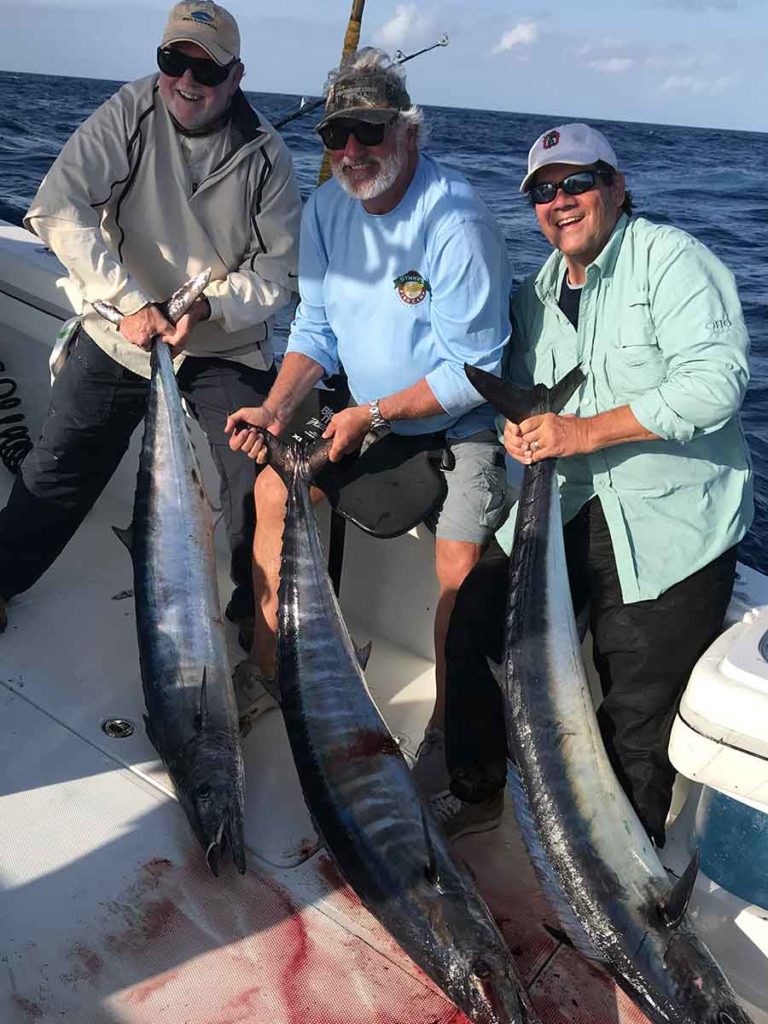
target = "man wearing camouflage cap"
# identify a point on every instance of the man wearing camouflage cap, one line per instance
(403, 276)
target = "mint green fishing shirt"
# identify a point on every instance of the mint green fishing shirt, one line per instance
(660, 329)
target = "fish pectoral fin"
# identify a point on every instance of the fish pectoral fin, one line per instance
(203, 716)
(431, 870)
(125, 536)
(674, 906)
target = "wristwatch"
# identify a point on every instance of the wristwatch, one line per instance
(377, 420)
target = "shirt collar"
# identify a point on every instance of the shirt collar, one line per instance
(549, 277)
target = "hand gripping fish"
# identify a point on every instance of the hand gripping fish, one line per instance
(191, 713)
(358, 787)
(591, 853)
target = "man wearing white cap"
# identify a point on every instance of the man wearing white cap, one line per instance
(655, 476)
(174, 173)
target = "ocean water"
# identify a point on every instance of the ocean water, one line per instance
(706, 181)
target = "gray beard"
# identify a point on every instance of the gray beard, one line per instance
(389, 170)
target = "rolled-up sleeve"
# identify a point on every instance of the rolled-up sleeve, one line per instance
(470, 281)
(311, 334)
(701, 332)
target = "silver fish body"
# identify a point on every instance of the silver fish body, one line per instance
(591, 853)
(191, 712)
(359, 789)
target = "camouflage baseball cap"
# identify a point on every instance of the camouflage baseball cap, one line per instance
(371, 95)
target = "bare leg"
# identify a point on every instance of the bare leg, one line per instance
(454, 559)
(270, 496)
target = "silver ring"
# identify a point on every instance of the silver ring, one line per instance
(534, 446)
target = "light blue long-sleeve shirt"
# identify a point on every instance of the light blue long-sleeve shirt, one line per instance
(406, 295)
(660, 329)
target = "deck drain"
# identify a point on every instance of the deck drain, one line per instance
(118, 728)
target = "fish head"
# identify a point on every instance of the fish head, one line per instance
(209, 784)
(698, 982)
(496, 995)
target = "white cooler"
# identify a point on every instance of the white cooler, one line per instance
(720, 739)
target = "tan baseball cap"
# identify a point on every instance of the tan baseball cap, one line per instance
(205, 23)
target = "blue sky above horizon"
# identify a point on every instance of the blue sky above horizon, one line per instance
(686, 62)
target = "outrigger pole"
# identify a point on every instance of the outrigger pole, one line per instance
(307, 106)
(339, 397)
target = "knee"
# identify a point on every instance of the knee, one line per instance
(454, 562)
(269, 495)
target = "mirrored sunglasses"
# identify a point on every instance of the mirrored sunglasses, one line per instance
(335, 134)
(204, 71)
(574, 185)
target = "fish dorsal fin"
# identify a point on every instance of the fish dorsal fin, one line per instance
(363, 653)
(202, 714)
(125, 536)
(674, 906)
(431, 870)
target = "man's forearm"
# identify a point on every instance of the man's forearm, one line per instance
(413, 403)
(616, 426)
(297, 376)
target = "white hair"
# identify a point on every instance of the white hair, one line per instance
(370, 58)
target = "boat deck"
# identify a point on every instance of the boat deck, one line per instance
(108, 914)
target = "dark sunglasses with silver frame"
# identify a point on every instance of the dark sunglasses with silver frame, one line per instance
(204, 71)
(573, 185)
(335, 134)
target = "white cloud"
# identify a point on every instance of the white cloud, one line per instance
(408, 25)
(523, 34)
(613, 65)
(604, 45)
(698, 85)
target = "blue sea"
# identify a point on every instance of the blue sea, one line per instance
(709, 182)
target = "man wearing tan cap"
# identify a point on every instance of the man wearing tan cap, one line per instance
(403, 278)
(655, 477)
(174, 173)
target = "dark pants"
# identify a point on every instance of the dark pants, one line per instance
(643, 652)
(95, 406)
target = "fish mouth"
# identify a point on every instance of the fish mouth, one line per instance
(229, 834)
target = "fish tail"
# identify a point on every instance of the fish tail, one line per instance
(305, 457)
(516, 403)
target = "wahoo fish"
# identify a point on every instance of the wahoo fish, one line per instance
(591, 854)
(191, 713)
(358, 787)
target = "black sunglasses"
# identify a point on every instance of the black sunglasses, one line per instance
(335, 134)
(205, 72)
(574, 185)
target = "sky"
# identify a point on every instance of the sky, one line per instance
(685, 62)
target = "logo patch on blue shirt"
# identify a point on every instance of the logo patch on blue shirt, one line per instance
(411, 287)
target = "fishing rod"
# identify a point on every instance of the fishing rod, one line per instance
(307, 106)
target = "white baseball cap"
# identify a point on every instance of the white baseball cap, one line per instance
(576, 144)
